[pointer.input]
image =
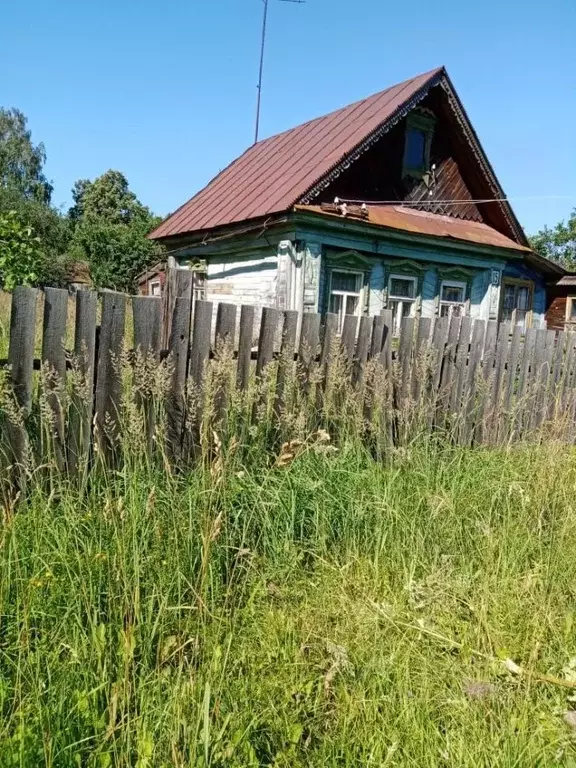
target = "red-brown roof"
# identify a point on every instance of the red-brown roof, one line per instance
(274, 174)
(424, 223)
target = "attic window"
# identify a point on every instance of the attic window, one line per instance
(419, 132)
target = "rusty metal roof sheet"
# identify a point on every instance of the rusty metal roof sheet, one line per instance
(274, 174)
(424, 223)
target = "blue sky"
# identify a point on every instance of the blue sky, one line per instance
(165, 91)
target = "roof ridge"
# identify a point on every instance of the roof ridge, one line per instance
(352, 104)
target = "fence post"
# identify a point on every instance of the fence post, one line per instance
(82, 398)
(147, 311)
(225, 339)
(245, 346)
(178, 349)
(286, 363)
(308, 348)
(54, 357)
(21, 362)
(109, 375)
(362, 350)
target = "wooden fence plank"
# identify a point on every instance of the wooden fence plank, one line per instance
(348, 337)
(286, 363)
(386, 354)
(109, 375)
(266, 340)
(54, 358)
(484, 391)
(449, 364)
(178, 350)
(421, 357)
(558, 365)
(544, 379)
(329, 333)
(147, 313)
(21, 362)
(226, 324)
(245, 346)
(308, 349)
(510, 382)
(405, 355)
(527, 360)
(494, 413)
(224, 344)
(377, 336)
(478, 333)
(460, 365)
(82, 397)
(362, 350)
(201, 339)
(489, 348)
(439, 339)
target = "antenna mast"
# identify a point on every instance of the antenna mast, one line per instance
(262, 50)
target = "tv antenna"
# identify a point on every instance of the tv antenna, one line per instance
(262, 49)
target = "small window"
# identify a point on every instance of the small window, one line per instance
(418, 141)
(571, 309)
(198, 286)
(452, 298)
(415, 150)
(345, 294)
(154, 288)
(517, 303)
(401, 299)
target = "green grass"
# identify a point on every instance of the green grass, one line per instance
(336, 612)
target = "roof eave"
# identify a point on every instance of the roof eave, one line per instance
(452, 243)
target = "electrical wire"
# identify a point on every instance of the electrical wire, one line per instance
(349, 201)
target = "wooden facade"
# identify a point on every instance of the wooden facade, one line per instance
(561, 304)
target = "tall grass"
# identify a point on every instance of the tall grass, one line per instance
(303, 590)
(337, 610)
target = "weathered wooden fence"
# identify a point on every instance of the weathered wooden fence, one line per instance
(481, 383)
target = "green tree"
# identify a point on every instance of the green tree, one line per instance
(25, 195)
(21, 255)
(559, 243)
(110, 228)
(21, 161)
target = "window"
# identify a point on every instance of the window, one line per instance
(345, 294)
(198, 286)
(401, 299)
(452, 298)
(517, 302)
(415, 150)
(418, 141)
(571, 309)
(154, 288)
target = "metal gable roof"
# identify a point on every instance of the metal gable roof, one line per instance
(274, 174)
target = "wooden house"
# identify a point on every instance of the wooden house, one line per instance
(151, 281)
(561, 304)
(390, 202)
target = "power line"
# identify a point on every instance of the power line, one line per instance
(261, 69)
(454, 202)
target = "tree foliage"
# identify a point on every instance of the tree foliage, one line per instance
(559, 243)
(20, 252)
(110, 228)
(107, 226)
(22, 162)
